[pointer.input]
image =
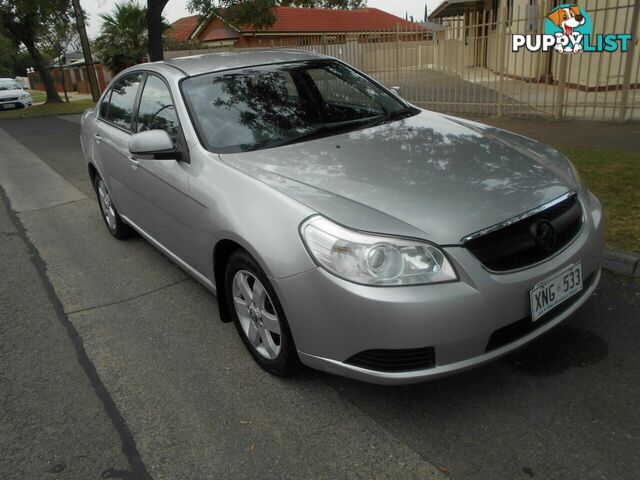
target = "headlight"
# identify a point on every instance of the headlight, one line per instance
(24, 95)
(372, 259)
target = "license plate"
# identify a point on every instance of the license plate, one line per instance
(8, 105)
(553, 291)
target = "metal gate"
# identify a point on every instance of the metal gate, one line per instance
(468, 67)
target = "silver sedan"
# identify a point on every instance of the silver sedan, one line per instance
(340, 226)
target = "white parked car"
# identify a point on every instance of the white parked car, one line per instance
(12, 95)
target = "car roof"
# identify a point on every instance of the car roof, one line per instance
(215, 62)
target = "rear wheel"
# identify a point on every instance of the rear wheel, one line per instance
(258, 316)
(110, 215)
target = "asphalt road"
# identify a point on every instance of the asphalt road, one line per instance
(113, 364)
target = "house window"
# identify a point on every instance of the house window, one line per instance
(509, 12)
(494, 14)
(532, 15)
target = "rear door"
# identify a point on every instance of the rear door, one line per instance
(111, 139)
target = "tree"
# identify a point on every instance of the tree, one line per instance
(339, 4)
(156, 27)
(23, 61)
(123, 39)
(86, 50)
(8, 54)
(26, 21)
(172, 44)
(61, 33)
(259, 13)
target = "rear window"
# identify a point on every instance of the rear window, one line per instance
(123, 96)
(264, 107)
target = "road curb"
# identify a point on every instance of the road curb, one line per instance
(621, 261)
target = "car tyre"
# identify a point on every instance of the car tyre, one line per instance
(110, 215)
(259, 317)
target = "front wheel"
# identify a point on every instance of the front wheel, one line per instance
(258, 316)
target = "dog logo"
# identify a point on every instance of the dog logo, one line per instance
(568, 29)
(567, 23)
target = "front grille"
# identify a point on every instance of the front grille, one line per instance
(514, 331)
(515, 246)
(395, 360)
(9, 99)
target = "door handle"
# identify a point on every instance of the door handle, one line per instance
(133, 162)
(97, 137)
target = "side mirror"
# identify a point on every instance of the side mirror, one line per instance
(396, 90)
(154, 144)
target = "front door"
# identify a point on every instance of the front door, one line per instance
(159, 187)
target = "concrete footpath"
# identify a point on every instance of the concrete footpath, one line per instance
(114, 364)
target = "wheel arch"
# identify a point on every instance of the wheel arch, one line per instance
(93, 171)
(222, 251)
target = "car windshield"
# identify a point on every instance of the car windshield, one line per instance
(9, 85)
(266, 107)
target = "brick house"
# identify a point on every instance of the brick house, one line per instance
(294, 26)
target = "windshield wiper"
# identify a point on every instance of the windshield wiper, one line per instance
(390, 117)
(323, 130)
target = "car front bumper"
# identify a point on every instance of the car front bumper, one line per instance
(332, 320)
(15, 104)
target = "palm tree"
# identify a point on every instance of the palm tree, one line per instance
(123, 39)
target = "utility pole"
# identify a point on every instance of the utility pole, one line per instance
(86, 50)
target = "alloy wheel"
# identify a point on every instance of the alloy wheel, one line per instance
(108, 210)
(257, 315)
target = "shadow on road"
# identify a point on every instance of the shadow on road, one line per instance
(561, 407)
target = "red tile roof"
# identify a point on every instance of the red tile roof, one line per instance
(295, 19)
(307, 20)
(182, 28)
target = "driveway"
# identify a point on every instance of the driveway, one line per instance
(445, 91)
(114, 364)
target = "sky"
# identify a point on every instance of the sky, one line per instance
(177, 8)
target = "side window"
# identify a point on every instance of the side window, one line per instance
(123, 95)
(157, 111)
(104, 106)
(292, 90)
